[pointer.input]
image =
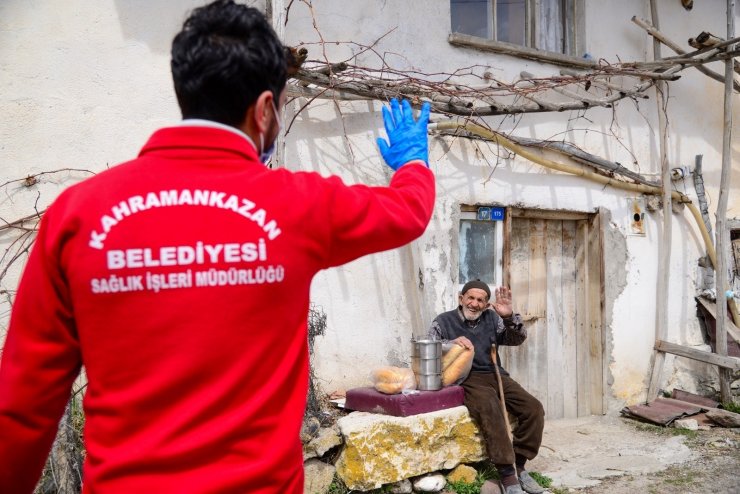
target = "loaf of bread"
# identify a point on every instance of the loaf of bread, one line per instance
(456, 363)
(451, 354)
(389, 388)
(393, 380)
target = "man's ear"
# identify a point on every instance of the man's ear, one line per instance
(257, 119)
(263, 111)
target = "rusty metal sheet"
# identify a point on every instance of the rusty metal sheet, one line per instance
(662, 411)
(680, 394)
(702, 419)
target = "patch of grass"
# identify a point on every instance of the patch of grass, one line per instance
(489, 472)
(485, 470)
(732, 406)
(683, 478)
(337, 486)
(543, 480)
(683, 432)
(461, 487)
(645, 427)
(666, 431)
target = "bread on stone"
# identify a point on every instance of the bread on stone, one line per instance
(393, 380)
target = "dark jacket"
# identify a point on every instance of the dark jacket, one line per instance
(489, 329)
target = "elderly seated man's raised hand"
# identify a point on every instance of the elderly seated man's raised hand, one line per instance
(502, 304)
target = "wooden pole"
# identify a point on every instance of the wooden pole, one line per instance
(494, 357)
(276, 10)
(661, 303)
(411, 285)
(655, 33)
(721, 230)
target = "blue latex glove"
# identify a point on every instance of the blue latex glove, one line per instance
(407, 139)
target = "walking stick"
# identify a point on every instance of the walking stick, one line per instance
(503, 401)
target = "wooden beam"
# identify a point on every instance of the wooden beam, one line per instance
(310, 92)
(542, 214)
(569, 320)
(537, 349)
(656, 34)
(577, 154)
(732, 363)
(606, 347)
(595, 308)
(503, 48)
(473, 208)
(661, 301)
(556, 375)
(584, 98)
(711, 307)
(583, 342)
(538, 214)
(602, 80)
(705, 39)
(382, 90)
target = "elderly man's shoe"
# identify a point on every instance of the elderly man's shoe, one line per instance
(513, 489)
(493, 487)
(529, 484)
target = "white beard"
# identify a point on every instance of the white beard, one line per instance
(469, 315)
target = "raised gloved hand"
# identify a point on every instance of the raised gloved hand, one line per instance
(407, 139)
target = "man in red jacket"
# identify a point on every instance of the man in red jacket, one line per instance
(180, 280)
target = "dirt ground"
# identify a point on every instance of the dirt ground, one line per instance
(713, 468)
(619, 456)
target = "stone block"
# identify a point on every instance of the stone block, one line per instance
(463, 473)
(318, 477)
(309, 429)
(724, 418)
(688, 424)
(381, 449)
(430, 483)
(326, 439)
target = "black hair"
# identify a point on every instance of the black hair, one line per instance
(224, 57)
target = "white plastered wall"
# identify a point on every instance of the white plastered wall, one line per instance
(83, 84)
(371, 313)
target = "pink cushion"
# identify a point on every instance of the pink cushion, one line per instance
(401, 405)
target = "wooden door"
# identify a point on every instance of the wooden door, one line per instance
(553, 266)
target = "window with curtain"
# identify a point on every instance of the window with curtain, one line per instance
(480, 245)
(548, 25)
(477, 251)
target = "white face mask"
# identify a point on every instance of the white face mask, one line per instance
(265, 154)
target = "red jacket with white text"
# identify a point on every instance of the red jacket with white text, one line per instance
(180, 280)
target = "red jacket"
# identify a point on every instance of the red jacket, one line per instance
(180, 280)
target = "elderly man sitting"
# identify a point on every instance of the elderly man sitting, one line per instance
(480, 325)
